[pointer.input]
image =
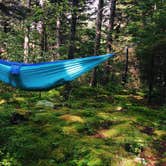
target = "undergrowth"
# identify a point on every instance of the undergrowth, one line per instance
(94, 127)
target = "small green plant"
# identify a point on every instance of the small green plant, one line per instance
(135, 147)
(8, 160)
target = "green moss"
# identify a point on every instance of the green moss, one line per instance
(93, 128)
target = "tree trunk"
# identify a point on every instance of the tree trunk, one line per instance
(97, 38)
(164, 90)
(44, 47)
(73, 29)
(124, 79)
(112, 8)
(151, 74)
(151, 80)
(68, 87)
(56, 55)
(26, 37)
(111, 25)
(58, 35)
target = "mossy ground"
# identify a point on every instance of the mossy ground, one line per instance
(93, 128)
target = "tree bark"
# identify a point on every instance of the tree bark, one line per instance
(112, 9)
(68, 87)
(44, 47)
(56, 55)
(151, 74)
(73, 29)
(58, 35)
(125, 74)
(111, 25)
(126, 66)
(97, 38)
(44, 44)
(26, 37)
(151, 80)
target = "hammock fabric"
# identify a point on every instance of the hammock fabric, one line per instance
(44, 76)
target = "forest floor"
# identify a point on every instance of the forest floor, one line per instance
(93, 128)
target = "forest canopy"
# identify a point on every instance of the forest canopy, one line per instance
(39, 30)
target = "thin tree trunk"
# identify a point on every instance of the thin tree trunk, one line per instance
(97, 38)
(58, 39)
(151, 80)
(73, 29)
(112, 8)
(68, 87)
(126, 66)
(44, 47)
(164, 90)
(58, 35)
(26, 37)
(151, 76)
(44, 44)
(111, 25)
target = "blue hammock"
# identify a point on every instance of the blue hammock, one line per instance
(44, 76)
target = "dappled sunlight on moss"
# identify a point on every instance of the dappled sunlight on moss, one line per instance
(69, 130)
(19, 99)
(47, 128)
(121, 96)
(160, 133)
(53, 93)
(104, 115)
(72, 118)
(23, 111)
(94, 130)
(91, 141)
(121, 133)
(108, 133)
(121, 161)
(136, 97)
(2, 101)
(118, 108)
(114, 130)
